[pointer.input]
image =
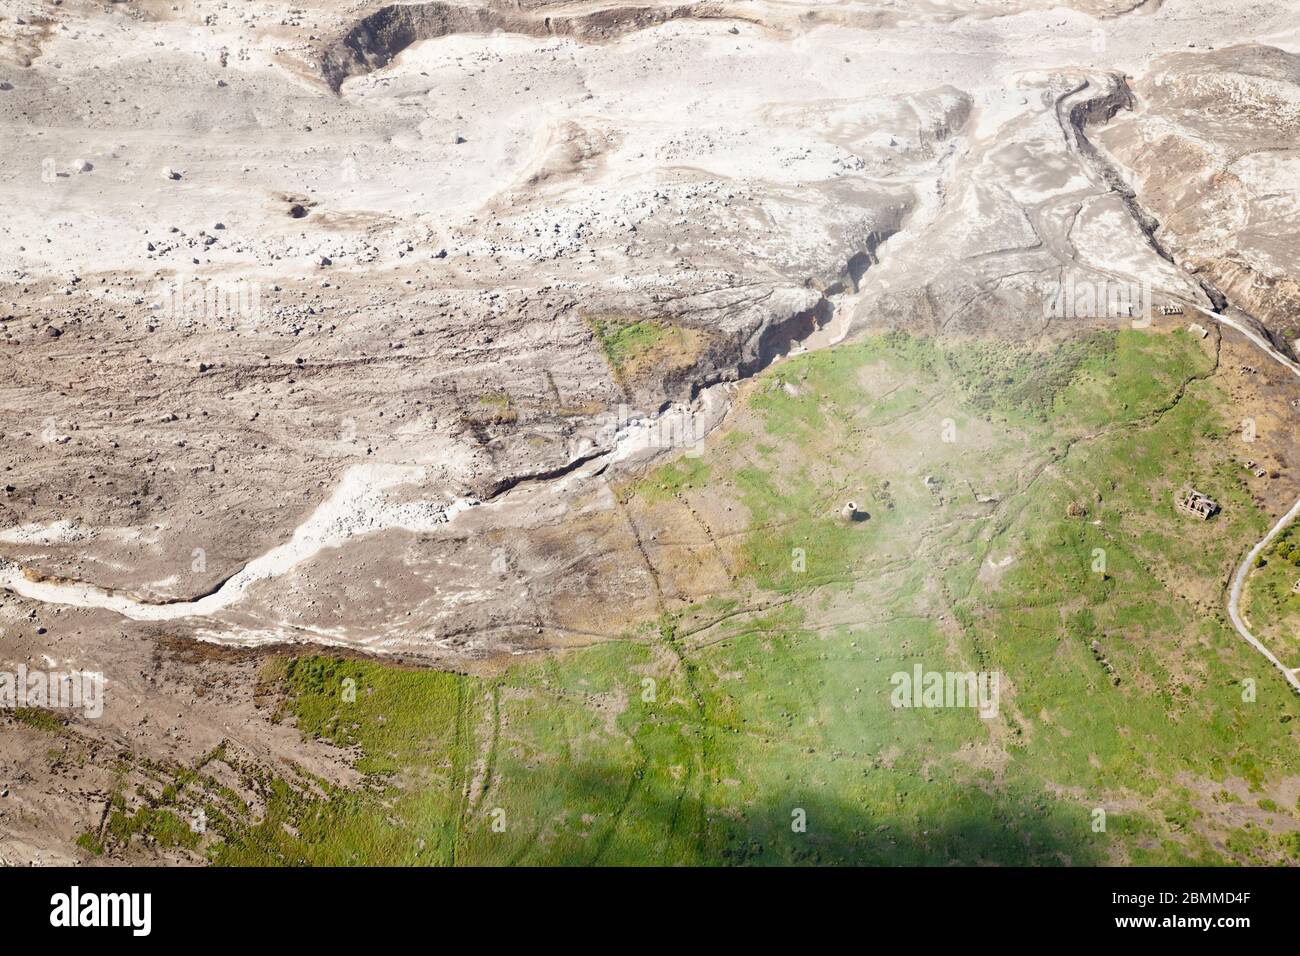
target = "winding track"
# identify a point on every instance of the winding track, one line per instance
(1073, 123)
(1243, 572)
(1239, 585)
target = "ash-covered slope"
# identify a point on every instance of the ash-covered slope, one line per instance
(497, 236)
(1214, 150)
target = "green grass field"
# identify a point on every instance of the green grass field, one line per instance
(756, 727)
(1271, 602)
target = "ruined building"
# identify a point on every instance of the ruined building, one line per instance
(1191, 502)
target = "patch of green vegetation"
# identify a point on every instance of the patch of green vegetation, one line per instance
(412, 735)
(624, 340)
(161, 826)
(807, 396)
(801, 539)
(88, 842)
(392, 716)
(1271, 602)
(632, 345)
(497, 407)
(44, 720)
(674, 478)
(1022, 383)
(1250, 843)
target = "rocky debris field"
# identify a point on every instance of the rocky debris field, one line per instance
(254, 248)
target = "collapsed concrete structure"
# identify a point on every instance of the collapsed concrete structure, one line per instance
(1192, 502)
